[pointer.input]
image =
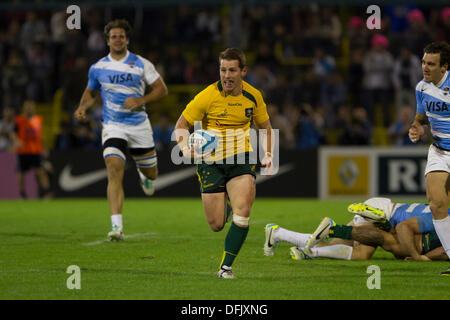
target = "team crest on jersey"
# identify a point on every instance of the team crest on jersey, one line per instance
(223, 114)
(446, 90)
(131, 64)
(248, 112)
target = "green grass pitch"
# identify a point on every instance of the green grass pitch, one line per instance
(171, 254)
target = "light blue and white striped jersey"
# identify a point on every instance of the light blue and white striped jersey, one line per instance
(118, 80)
(421, 211)
(403, 211)
(434, 102)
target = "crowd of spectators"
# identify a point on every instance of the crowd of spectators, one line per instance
(320, 68)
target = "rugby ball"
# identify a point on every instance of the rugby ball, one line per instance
(202, 141)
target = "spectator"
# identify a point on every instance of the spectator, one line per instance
(65, 139)
(398, 131)
(261, 77)
(324, 64)
(41, 67)
(74, 84)
(15, 80)
(406, 74)
(357, 34)
(333, 90)
(418, 32)
(360, 130)
(378, 65)
(175, 65)
(309, 127)
(162, 132)
(443, 31)
(355, 76)
(281, 122)
(34, 29)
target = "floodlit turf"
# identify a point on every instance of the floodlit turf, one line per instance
(171, 254)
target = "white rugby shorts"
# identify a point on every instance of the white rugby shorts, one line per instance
(438, 160)
(139, 136)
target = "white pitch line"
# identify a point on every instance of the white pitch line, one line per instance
(128, 236)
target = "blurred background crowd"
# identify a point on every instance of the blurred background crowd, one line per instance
(327, 79)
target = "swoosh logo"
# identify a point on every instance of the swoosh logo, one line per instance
(318, 236)
(69, 182)
(268, 242)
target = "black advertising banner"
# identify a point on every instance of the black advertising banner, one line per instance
(83, 174)
(402, 175)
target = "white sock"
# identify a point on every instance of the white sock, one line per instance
(442, 227)
(337, 251)
(116, 219)
(299, 239)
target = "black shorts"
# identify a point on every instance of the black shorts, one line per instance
(26, 162)
(214, 177)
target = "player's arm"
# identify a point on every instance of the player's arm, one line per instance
(405, 234)
(159, 91)
(181, 131)
(266, 143)
(417, 130)
(87, 100)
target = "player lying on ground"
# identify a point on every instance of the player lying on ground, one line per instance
(359, 239)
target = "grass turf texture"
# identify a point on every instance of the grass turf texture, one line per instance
(171, 254)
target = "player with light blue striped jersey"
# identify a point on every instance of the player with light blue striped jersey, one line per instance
(119, 80)
(123, 77)
(433, 100)
(433, 107)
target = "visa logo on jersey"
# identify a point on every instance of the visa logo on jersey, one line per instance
(120, 78)
(436, 106)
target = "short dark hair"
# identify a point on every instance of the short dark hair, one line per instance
(118, 23)
(234, 54)
(443, 48)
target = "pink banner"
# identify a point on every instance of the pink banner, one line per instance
(8, 178)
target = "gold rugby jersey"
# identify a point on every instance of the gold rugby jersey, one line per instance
(228, 116)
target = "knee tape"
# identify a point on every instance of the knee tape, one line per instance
(113, 152)
(242, 221)
(146, 161)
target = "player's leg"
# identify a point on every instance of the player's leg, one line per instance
(214, 209)
(241, 191)
(42, 176)
(114, 154)
(22, 168)
(274, 234)
(147, 165)
(44, 182)
(437, 183)
(362, 252)
(142, 149)
(212, 187)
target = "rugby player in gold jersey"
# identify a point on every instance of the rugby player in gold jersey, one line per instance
(228, 108)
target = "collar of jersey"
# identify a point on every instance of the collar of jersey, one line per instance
(442, 80)
(121, 60)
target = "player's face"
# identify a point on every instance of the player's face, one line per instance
(431, 68)
(117, 40)
(231, 76)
